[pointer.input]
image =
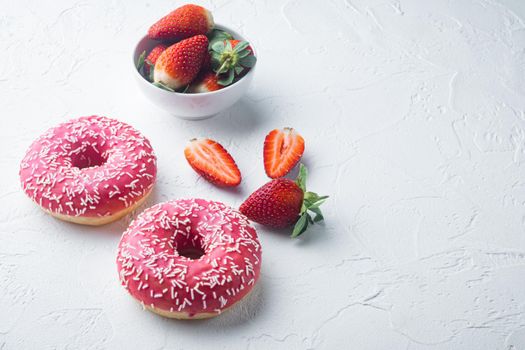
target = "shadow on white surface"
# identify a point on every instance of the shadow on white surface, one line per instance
(240, 119)
(314, 235)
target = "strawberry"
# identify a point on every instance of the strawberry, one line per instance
(180, 63)
(231, 59)
(283, 202)
(185, 22)
(282, 150)
(152, 57)
(206, 63)
(213, 162)
(205, 82)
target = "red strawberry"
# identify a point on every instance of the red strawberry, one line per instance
(206, 63)
(180, 63)
(205, 82)
(213, 162)
(276, 204)
(185, 22)
(282, 150)
(152, 58)
(283, 202)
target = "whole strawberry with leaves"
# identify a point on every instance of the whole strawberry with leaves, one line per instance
(283, 202)
(231, 59)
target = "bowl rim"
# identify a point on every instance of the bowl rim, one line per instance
(223, 90)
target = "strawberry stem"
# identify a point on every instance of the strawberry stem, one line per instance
(226, 62)
(311, 203)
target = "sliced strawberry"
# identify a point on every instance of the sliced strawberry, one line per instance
(282, 150)
(213, 162)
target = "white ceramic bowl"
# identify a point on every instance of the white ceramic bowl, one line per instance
(191, 106)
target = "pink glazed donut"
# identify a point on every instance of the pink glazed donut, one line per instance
(189, 258)
(90, 170)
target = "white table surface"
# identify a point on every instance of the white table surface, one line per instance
(414, 118)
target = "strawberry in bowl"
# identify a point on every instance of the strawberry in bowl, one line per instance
(184, 22)
(191, 67)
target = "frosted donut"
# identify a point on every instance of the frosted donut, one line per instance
(90, 170)
(189, 258)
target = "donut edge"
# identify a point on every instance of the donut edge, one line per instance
(199, 316)
(102, 220)
(183, 315)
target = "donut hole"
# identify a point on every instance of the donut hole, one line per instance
(191, 249)
(87, 157)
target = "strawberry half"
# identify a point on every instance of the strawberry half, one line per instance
(213, 162)
(282, 150)
(180, 63)
(151, 59)
(282, 202)
(205, 82)
(184, 22)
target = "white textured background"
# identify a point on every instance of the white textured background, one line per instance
(414, 118)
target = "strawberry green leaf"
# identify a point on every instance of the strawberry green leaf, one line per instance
(301, 178)
(318, 215)
(311, 196)
(224, 67)
(238, 70)
(243, 53)
(140, 61)
(218, 35)
(151, 73)
(240, 46)
(311, 202)
(229, 46)
(162, 86)
(151, 68)
(318, 203)
(215, 61)
(310, 220)
(300, 226)
(227, 80)
(218, 46)
(304, 208)
(248, 61)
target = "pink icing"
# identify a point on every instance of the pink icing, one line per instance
(90, 167)
(154, 272)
